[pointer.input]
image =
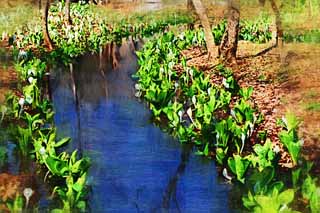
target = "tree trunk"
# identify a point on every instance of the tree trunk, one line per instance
(47, 39)
(201, 12)
(262, 2)
(229, 43)
(310, 9)
(190, 5)
(67, 17)
(38, 3)
(279, 33)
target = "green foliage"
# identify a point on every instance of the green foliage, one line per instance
(311, 192)
(3, 111)
(307, 36)
(273, 203)
(267, 195)
(16, 205)
(89, 32)
(257, 31)
(246, 93)
(289, 136)
(218, 31)
(36, 135)
(264, 157)
(238, 166)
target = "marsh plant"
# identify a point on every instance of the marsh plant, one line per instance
(186, 100)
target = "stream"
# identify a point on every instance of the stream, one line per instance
(136, 167)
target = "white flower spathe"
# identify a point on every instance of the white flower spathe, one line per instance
(21, 102)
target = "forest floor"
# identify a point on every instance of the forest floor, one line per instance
(8, 76)
(286, 79)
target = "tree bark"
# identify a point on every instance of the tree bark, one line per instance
(229, 43)
(279, 33)
(310, 8)
(190, 5)
(262, 2)
(67, 17)
(201, 12)
(47, 39)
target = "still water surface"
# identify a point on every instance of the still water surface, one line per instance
(136, 167)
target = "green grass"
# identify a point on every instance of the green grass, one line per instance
(311, 94)
(167, 14)
(13, 18)
(313, 106)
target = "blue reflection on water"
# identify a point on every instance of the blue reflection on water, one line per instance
(136, 167)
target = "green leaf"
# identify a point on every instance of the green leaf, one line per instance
(57, 211)
(315, 201)
(308, 187)
(80, 183)
(81, 205)
(249, 201)
(286, 197)
(56, 166)
(266, 204)
(221, 155)
(80, 166)
(295, 177)
(62, 142)
(206, 150)
(238, 166)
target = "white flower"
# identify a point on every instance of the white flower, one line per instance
(191, 72)
(224, 83)
(171, 64)
(189, 113)
(301, 142)
(180, 113)
(31, 71)
(138, 94)
(31, 79)
(285, 121)
(29, 99)
(233, 114)
(225, 174)
(209, 91)
(276, 149)
(243, 137)
(176, 85)
(194, 100)
(137, 86)
(22, 54)
(21, 102)
(42, 151)
(251, 128)
(27, 193)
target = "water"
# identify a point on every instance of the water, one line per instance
(136, 167)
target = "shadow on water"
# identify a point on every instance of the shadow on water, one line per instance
(135, 166)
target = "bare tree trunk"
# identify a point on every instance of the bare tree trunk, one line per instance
(190, 5)
(67, 17)
(229, 43)
(39, 5)
(310, 9)
(262, 2)
(47, 39)
(201, 11)
(279, 35)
